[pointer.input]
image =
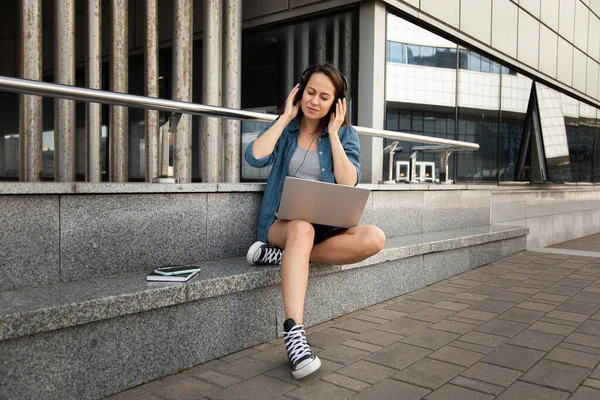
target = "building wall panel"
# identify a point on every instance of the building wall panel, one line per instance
(476, 18)
(582, 16)
(565, 62)
(445, 10)
(579, 70)
(595, 6)
(566, 19)
(592, 78)
(549, 14)
(504, 27)
(594, 38)
(533, 6)
(548, 51)
(529, 39)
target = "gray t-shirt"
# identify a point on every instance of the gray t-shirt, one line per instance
(305, 164)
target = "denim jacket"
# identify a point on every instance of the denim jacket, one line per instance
(280, 158)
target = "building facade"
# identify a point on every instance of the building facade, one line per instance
(520, 78)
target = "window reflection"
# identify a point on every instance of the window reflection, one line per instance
(489, 99)
(586, 143)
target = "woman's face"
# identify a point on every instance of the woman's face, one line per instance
(318, 96)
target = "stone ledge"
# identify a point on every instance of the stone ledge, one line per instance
(57, 188)
(29, 311)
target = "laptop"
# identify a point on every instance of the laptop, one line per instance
(322, 203)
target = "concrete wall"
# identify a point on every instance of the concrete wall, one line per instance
(71, 232)
(553, 216)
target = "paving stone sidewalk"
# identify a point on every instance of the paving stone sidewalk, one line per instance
(524, 327)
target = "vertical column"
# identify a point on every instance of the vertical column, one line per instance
(289, 78)
(303, 44)
(93, 111)
(371, 86)
(64, 73)
(30, 107)
(211, 91)
(119, 80)
(335, 46)
(232, 87)
(345, 62)
(151, 72)
(182, 87)
(320, 42)
(2, 157)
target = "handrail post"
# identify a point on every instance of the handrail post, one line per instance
(232, 87)
(212, 83)
(182, 86)
(93, 111)
(119, 115)
(444, 167)
(64, 73)
(151, 128)
(412, 169)
(30, 107)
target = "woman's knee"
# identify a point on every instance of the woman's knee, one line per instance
(300, 230)
(373, 240)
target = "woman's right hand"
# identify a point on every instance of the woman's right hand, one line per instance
(291, 109)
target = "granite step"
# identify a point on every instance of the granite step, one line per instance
(30, 311)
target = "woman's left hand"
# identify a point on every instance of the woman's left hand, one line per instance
(337, 118)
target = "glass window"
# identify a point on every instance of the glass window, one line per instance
(508, 71)
(441, 124)
(429, 123)
(391, 120)
(445, 58)
(596, 168)
(481, 127)
(404, 123)
(427, 56)
(414, 53)
(463, 59)
(585, 143)
(474, 61)
(417, 121)
(495, 67)
(485, 64)
(396, 52)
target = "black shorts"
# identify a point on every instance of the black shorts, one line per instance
(323, 232)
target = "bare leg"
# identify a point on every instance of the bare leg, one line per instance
(297, 238)
(356, 244)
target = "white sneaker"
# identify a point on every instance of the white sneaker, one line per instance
(262, 254)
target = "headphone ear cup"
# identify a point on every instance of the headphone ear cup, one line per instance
(332, 109)
(299, 94)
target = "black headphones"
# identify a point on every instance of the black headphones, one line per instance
(304, 82)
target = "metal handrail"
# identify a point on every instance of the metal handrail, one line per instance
(25, 86)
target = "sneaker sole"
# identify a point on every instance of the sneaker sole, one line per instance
(308, 369)
(251, 251)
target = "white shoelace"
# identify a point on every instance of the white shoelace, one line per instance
(296, 344)
(272, 255)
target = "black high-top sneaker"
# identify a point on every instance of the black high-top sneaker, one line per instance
(302, 359)
(261, 254)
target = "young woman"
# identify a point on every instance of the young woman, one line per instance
(311, 139)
